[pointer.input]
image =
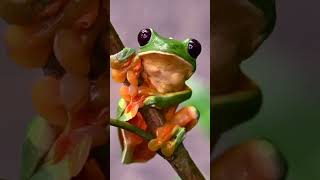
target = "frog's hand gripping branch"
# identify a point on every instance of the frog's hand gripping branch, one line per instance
(158, 101)
(121, 57)
(120, 63)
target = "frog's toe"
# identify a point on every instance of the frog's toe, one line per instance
(179, 136)
(194, 112)
(168, 148)
(154, 144)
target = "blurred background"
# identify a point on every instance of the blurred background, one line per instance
(179, 19)
(16, 110)
(287, 69)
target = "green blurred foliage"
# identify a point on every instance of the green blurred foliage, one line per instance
(201, 99)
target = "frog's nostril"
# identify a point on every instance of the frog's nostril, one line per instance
(144, 36)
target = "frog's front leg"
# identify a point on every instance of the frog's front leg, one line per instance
(125, 65)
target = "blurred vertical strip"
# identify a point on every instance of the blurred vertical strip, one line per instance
(238, 28)
(104, 43)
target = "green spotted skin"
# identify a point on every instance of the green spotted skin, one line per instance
(169, 45)
(124, 54)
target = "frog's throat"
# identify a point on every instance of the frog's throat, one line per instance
(192, 64)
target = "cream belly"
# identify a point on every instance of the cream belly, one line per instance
(166, 72)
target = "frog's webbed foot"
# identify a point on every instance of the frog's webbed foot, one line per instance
(169, 136)
(170, 146)
(186, 117)
(172, 133)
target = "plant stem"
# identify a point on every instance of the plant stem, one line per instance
(131, 128)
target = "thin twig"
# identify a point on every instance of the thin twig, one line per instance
(181, 161)
(131, 128)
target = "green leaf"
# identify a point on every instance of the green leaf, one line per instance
(122, 104)
(69, 166)
(78, 157)
(59, 171)
(40, 137)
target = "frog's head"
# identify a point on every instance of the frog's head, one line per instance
(167, 62)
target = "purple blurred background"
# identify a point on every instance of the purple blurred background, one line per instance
(179, 19)
(16, 110)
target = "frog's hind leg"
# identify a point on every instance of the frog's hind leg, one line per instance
(186, 117)
(172, 133)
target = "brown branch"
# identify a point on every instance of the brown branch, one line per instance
(116, 44)
(181, 161)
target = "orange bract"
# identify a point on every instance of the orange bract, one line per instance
(71, 51)
(26, 47)
(74, 91)
(124, 93)
(118, 75)
(47, 101)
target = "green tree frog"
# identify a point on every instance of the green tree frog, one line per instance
(155, 76)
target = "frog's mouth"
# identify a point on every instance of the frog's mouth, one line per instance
(167, 72)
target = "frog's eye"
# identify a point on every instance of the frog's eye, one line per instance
(194, 48)
(144, 36)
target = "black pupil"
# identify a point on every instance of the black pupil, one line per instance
(144, 36)
(194, 48)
